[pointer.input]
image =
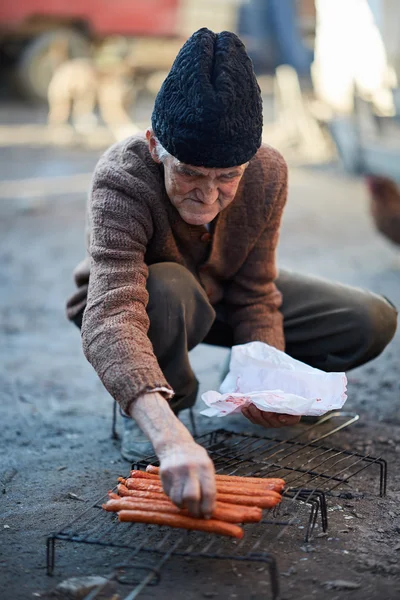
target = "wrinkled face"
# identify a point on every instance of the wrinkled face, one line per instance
(199, 193)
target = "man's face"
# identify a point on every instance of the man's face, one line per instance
(198, 193)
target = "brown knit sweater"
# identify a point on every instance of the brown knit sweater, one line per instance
(132, 224)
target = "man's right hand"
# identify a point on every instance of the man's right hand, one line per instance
(186, 470)
(188, 477)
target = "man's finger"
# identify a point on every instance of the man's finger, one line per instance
(249, 416)
(176, 493)
(276, 420)
(289, 419)
(208, 495)
(260, 417)
(280, 420)
(271, 419)
(191, 496)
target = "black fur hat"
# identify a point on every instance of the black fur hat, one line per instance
(208, 111)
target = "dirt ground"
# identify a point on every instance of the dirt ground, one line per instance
(56, 455)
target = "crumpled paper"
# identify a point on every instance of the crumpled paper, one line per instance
(275, 382)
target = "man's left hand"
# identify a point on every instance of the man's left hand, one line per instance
(268, 419)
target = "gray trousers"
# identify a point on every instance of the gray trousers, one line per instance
(327, 325)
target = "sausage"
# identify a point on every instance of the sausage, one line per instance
(141, 484)
(251, 480)
(156, 486)
(276, 485)
(181, 521)
(236, 514)
(153, 469)
(244, 490)
(144, 475)
(260, 501)
(222, 512)
(114, 505)
(123, 491)
(266, 482)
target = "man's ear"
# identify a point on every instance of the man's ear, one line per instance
(151, 139)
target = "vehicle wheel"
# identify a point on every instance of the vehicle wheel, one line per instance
(42, 55)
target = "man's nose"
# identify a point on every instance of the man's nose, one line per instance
(209, 194)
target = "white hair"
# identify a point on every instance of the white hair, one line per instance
(162, 153)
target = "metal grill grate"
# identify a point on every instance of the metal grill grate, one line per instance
(311, 470)
(302, 464)
(95, 526)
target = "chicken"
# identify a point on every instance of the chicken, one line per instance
(385, 206)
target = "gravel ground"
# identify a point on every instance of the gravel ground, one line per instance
(56, 455)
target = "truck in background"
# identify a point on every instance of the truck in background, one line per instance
(36, 35)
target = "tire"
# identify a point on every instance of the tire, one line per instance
(35, 67)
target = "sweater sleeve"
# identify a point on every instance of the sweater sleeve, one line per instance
(115, 323)
(252, 297)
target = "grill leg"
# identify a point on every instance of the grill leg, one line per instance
(324, 512)
(312, 521)
(383, 477)
(274, 576)
(114, 433)
(51, 555)
(193, 422)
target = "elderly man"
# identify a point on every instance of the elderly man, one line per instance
(183, 230)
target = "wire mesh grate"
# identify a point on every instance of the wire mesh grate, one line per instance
(302, 464)
(310, 469)
(97, 527)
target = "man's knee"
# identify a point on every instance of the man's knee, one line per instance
(378, 323)
(176, 299)
(169, 278)
(172, 284)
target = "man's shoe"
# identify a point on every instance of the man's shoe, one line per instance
(134, 445)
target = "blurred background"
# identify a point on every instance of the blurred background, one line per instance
(97, 66)
(90, 70)
(79, 75)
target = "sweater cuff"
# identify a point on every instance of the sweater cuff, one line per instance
(126, 385)
(166, 392)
